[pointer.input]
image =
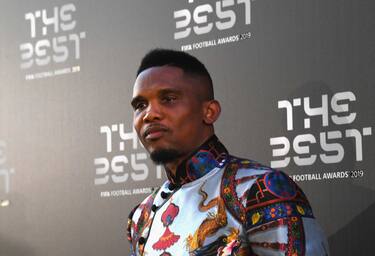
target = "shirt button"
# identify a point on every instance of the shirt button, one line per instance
(154, 208)
(171, 186)
(141, 240)
(164, 195)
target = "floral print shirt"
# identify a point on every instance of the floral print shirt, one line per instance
(218, 204)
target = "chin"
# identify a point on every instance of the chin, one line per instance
(165, 155)
(156, 145)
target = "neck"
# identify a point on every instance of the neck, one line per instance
(197, 163)
(173, 165)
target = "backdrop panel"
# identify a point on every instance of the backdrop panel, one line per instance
(295, 80)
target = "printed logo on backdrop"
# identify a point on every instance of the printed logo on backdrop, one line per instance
(124, 163)
(6, 174)
(336, 130)
(201, 18)
(53, 46)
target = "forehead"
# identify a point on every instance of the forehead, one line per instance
(159, 78)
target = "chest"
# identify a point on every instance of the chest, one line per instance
(192, 221)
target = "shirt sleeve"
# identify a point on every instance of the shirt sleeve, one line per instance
(279, 219)
(130, 229)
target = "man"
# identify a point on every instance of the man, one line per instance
(212, 203)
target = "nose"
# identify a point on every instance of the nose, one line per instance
(152, 113)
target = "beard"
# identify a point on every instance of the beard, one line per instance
(163, 156)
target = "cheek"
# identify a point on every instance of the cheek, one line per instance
(137, 123)
(190, 123)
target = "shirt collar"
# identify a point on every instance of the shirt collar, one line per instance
(208, 156)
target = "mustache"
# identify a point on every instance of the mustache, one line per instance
(154, 127)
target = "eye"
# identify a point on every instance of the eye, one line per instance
(139, 106)
(169, 99)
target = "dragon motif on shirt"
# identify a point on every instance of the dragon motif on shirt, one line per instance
(211, 224)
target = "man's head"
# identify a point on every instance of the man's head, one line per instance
(174, 106)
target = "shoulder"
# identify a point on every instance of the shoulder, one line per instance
(242, 173)
(256, 177)
(238, 177)
(258, 189)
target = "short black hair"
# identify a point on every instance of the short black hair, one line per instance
(189, 64)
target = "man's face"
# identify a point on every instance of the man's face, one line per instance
(168, 114)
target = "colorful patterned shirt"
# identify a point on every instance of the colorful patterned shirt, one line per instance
(218, 204)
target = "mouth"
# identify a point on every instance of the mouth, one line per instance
(154, 132)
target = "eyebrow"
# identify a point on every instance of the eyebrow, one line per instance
(161, 92)
(169, 90)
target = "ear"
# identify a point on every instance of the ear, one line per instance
(212, 110)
